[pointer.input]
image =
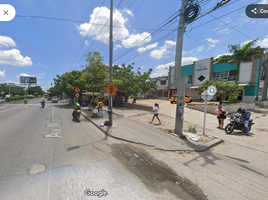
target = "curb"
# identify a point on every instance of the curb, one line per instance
(206, 146)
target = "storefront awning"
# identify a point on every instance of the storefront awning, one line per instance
(194, 87)
(243, 84)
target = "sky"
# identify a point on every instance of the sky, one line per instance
(48, 37)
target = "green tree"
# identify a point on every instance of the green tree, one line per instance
(67, 84)
(224, 89)
(144, 81)
(240, 54)
(95, 73)
(125, 80)
(35, 94)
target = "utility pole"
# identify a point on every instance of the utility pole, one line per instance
(111, 61)
(180, 82)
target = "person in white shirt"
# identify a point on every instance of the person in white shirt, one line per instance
(155, 113)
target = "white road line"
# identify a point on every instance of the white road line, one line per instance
(24, 108)
(2, 107)
(9, 109)
(53, 112)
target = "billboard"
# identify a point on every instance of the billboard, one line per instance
(27, 80)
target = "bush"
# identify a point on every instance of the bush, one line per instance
(150, 96)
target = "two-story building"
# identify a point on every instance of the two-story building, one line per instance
(195, 74)
(162, 87)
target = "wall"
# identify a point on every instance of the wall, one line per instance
(245, 72)
(230, 108)
(223, 67)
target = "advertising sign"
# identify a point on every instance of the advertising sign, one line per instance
(27, 80)
(201, 71)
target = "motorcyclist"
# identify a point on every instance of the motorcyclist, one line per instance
(76, 107)
(25, 100)
(43, 102)
(245, 116)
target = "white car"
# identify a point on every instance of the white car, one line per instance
(54, 100)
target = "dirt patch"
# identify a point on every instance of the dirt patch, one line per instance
(155, 174)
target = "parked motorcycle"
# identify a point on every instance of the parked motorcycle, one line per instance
(76, 114)
(237, 123)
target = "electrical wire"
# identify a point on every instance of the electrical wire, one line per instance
(87, 35)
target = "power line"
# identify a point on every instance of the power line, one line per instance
(87, 34)
(142, 39)
(124, 12)
(104, 35)
(97, 34)
(222, 16)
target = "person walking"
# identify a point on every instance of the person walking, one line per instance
(221, 116)
(155, 113)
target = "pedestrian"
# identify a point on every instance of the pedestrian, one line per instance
(155, 113)
(100, 105)
(221, 116)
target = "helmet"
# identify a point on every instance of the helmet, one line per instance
(239, 110)
(77, 104)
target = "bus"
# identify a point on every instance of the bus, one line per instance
(46, 96)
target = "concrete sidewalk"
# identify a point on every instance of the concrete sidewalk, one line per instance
(141, 133)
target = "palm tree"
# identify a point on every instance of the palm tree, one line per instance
(246, 53)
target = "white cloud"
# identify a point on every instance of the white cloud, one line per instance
(159, 53)
(98, 25)
(264, 42)
(15, 82)
(23, 74)
(41, 74)
(135, 40)
(6, 41)
(225, 31)
(264, 2)
(222, 55)
(141, 67)
(86, 42)
(162, 70)
(2, 73)
(117, 46)
(128, 12)
(188, 60)
(13, 57)
(211, 40)
(39, 77)
(148, 47)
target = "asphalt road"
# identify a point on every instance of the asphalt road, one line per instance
(44, 154)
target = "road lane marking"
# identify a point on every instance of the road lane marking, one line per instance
(9, 109)
(2, 107)
(55, 125)
(24, 108)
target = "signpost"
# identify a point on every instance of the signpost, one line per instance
(206, 96)
(111, 90)
(77, 95)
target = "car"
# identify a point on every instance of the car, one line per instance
(49, 98)
(187, 99)
(54, 100)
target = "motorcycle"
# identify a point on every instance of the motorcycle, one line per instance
(42, 104)
(25, 101)
(76, 114)
(237, 123)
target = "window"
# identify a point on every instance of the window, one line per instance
(163, 82)
(227, 75)
(188, 80)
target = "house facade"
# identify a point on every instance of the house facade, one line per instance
(251, 77)
(162, 87)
